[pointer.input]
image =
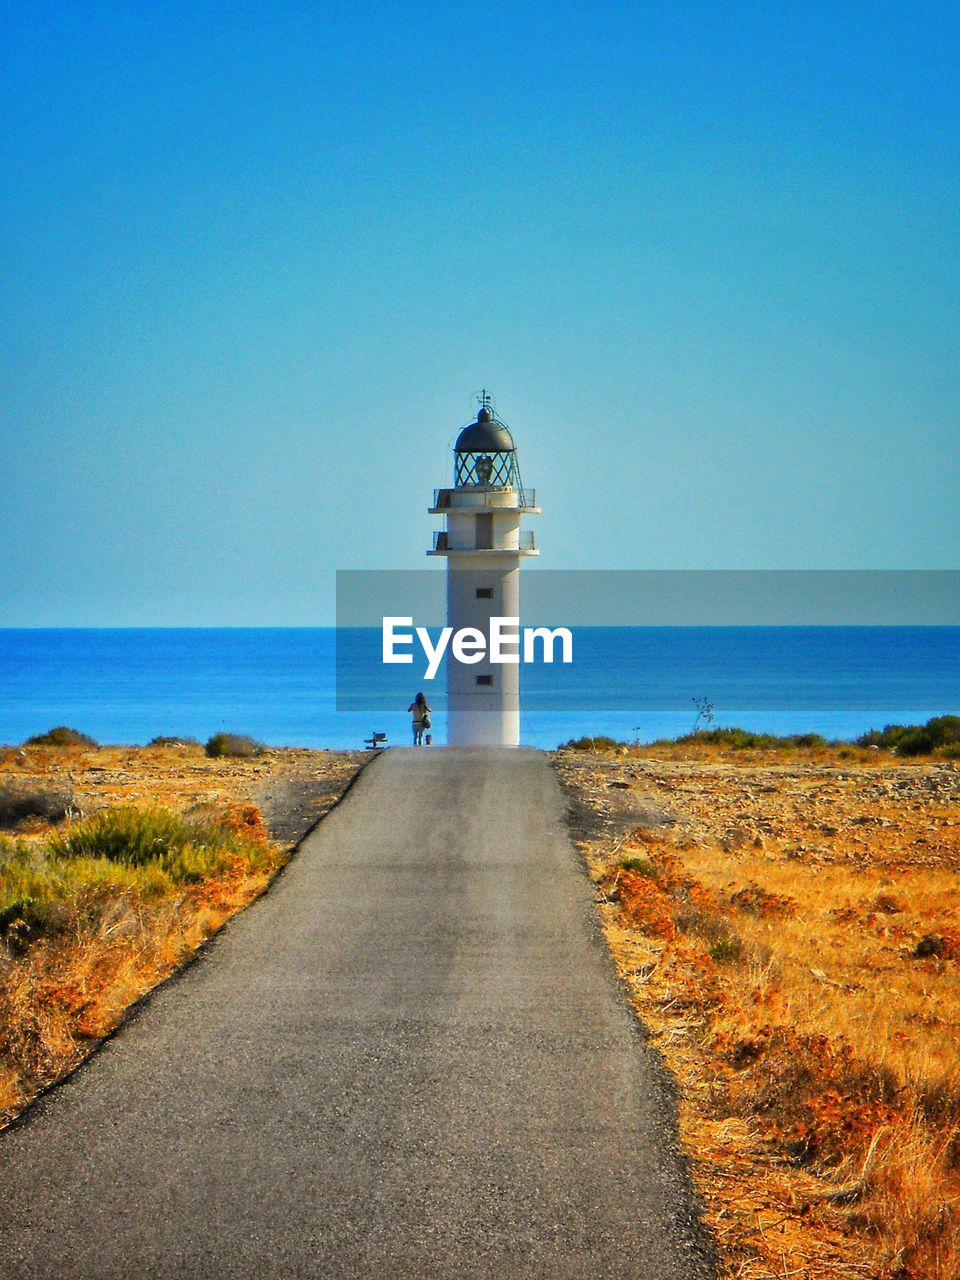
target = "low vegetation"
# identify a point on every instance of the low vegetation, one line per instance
(61, 736)
(237, 745)
(180, 850)
(600, 743)
(129, 858)
(790, 932)
(98, 912)
(732, 738)
(941, 735)
(21, 802)
(745, 740)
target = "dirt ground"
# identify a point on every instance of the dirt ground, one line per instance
(788, 927)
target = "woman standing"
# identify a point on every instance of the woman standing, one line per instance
(420, 711)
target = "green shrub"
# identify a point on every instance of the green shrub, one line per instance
(916, 741)
(887, 737)
(945, 730)
(126, 835)
(232, 744)
(22, 921)
(94, 878)
(725, 950)
(79, 877)
(590, 744)
(18, 802)
(163, 741)
(185, 850)
(641, 866)
(941, 733)
(62, 736)
(10, 850)
(745, 740)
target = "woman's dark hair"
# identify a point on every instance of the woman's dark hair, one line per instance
(420, 699)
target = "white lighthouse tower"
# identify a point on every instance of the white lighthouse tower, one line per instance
(483, 545)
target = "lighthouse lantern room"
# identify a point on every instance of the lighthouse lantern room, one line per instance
(483, 545)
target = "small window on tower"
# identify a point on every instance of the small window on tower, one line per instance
(484, 530)
(484, 679)
(484, 593)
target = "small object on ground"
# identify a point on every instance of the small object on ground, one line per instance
(929, 945)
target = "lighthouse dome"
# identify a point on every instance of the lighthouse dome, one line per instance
(486, 435)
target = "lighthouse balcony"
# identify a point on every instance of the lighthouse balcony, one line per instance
(504, 497)
(525, 546)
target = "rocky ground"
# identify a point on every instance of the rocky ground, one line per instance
(815, 810)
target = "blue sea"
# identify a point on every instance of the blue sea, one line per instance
(280, 685)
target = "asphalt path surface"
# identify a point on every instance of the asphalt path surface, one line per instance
(411, 1058)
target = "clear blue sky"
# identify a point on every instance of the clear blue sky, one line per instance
(258, 257)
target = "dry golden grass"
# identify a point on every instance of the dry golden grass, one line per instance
(107, 944)
(772, 933)
(116, 931)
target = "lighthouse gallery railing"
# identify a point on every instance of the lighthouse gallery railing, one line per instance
(526, 542)
(492, 497)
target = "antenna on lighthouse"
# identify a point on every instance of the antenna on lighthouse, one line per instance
(485, 400)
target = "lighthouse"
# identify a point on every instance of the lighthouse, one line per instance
(483, 545)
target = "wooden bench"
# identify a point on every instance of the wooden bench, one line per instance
(374, 741)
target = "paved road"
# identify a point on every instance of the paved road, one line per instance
(410, 1059)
